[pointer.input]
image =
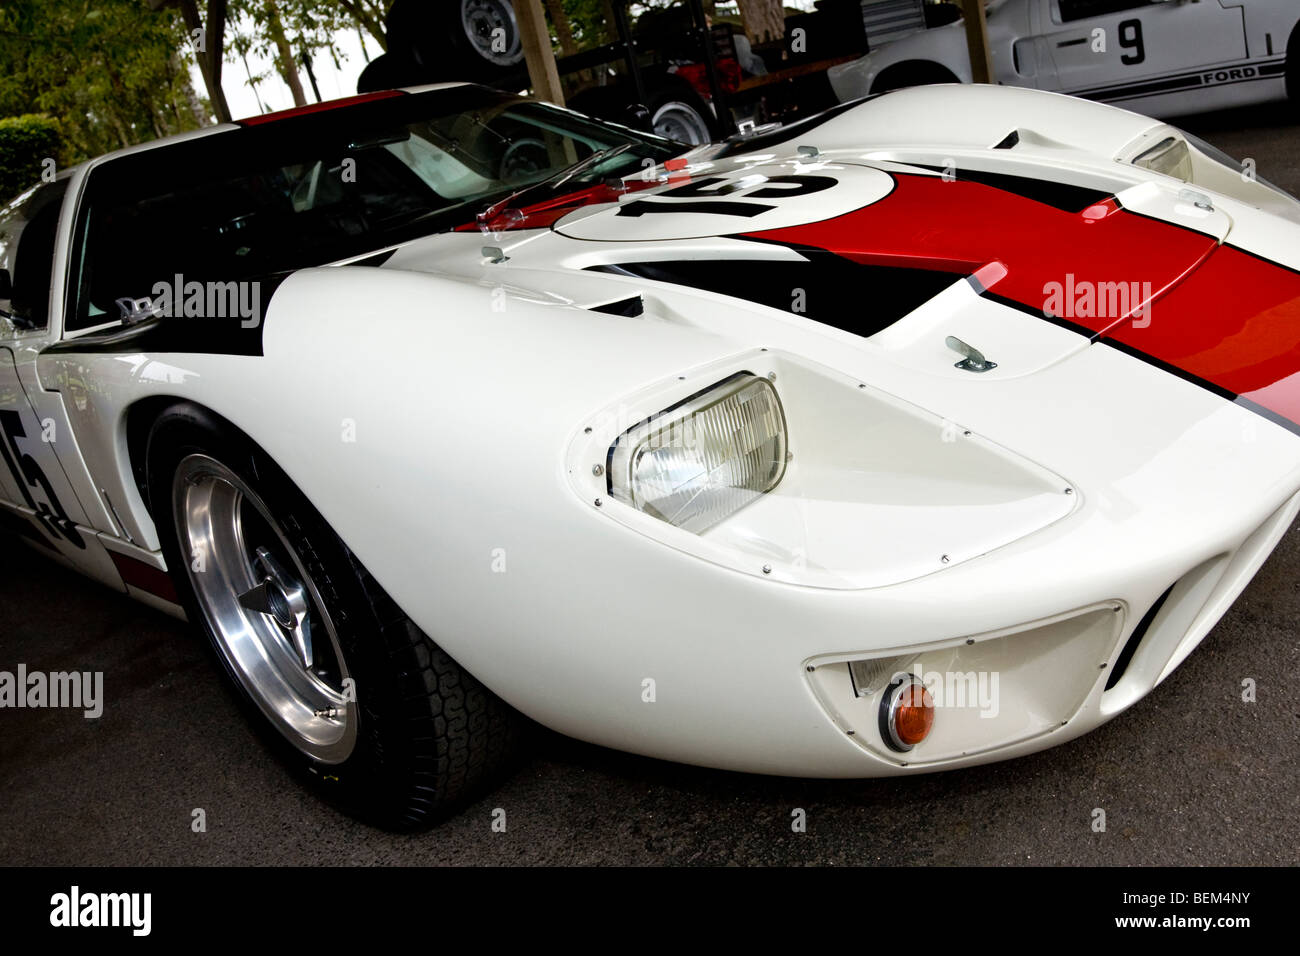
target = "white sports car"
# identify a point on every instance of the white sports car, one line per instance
(1165, 58)
(870, 446)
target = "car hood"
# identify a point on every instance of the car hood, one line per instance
(1025, 233)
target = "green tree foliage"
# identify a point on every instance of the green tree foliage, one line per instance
(284, 30)
(112, 72)
(368, 15)
(26, 142)
(590, 21)
(117, 72)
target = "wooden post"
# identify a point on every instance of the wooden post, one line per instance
(763, 19)
(539, 56)
(977, 41)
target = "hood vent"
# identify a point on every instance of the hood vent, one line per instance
(630, 307)
(1010, 141)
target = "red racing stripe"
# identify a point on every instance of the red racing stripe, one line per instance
(961, 226)
(1235, 324)
(321, 107)
(1216, 315)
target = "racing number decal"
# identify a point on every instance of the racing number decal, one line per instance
(707, 189)
(769, 187)
(28, 474)
(1130, 38)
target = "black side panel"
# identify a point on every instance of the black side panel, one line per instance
(825, 287)
(196, 335)
(158, 336)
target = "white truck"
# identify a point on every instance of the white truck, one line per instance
(1157, 57)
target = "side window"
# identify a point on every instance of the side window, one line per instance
(1072, 10)
(28, 233)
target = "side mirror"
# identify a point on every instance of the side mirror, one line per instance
(638, 116)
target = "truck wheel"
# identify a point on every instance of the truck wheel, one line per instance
(456, 39)
(369, 711)
(675, 110)
(678, 117)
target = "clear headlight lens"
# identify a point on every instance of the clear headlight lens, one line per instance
(705, 458)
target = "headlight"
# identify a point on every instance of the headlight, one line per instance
(705, 458)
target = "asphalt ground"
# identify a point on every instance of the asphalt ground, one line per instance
(1190, 775)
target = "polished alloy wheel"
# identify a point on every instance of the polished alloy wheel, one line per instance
(264, 610)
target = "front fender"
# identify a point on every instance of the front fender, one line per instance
(428, 418)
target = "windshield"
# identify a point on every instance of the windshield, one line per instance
(315, 189)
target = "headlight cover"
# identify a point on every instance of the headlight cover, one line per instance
(703, 459)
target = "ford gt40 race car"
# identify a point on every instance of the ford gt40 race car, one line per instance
(1165, 58)
(874, 445)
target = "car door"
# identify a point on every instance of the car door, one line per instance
(38, 498)
(1146, 55)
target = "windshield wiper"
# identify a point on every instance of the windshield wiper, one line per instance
(558, 178)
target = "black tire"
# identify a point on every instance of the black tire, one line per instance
(387, 72)
(429, 738)
(912, 73)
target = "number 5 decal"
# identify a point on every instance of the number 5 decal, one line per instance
(27, 472)
(1130, 38)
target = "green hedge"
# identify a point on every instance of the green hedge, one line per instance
(25, 143)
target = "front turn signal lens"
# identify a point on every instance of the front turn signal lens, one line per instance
(906, 714)
(694, 464)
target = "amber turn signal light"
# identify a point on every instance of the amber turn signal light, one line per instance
(906, 714)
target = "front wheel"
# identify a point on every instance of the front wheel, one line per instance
(374, 715)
